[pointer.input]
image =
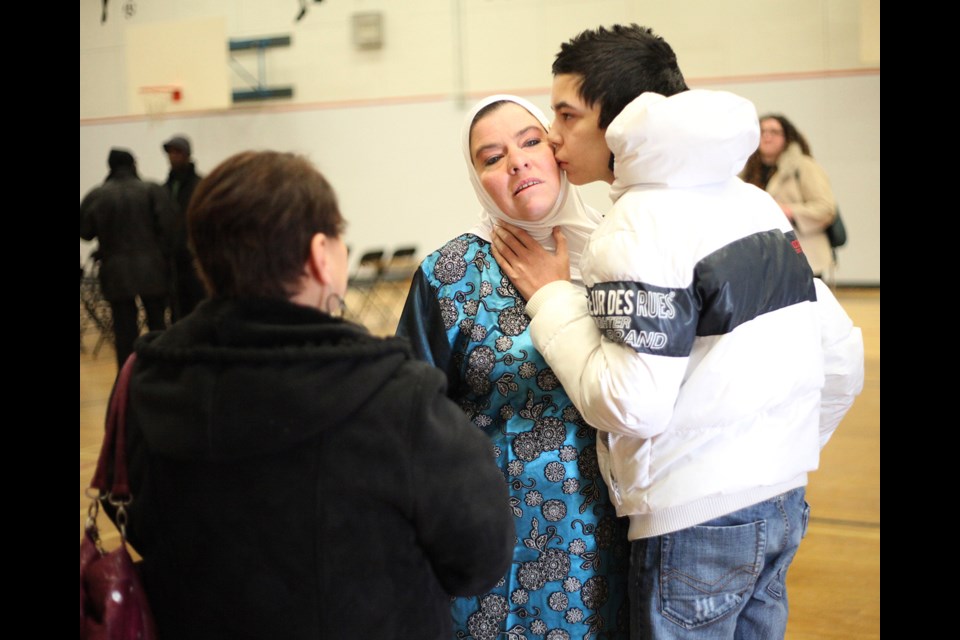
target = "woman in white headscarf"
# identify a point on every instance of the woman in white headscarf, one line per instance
(463, 315)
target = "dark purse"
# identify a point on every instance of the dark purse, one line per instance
(836, 232)
(113, 603)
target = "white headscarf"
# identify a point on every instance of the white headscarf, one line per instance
(576, 220)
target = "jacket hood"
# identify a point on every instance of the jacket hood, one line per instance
(122, 173)
(241, 378)
(690, 139)
(120, 158)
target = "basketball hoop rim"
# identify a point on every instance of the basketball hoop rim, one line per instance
(158, 97)
(160, 88)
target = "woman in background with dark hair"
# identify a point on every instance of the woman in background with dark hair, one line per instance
(784, 166)
(292, 475)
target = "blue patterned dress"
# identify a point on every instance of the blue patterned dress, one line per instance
(568, 578)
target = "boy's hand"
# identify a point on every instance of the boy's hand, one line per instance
(528, 265)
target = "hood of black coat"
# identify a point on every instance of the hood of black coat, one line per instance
(242, 378)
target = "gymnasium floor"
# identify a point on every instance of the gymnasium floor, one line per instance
(834, 583)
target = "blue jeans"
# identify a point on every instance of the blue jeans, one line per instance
(725, 578)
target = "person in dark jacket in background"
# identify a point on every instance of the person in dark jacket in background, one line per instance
(132, 221)
(294, 476)
(181, 182)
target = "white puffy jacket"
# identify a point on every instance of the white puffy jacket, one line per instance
(721, 366)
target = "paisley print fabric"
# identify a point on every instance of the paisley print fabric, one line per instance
(568, 578)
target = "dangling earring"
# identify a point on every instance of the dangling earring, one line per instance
(335, 305)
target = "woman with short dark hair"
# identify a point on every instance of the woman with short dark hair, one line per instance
(294, 476)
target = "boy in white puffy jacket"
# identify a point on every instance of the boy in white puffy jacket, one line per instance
(712, 362)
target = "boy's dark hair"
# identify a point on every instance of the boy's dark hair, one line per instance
(251, 221)
(618, 64)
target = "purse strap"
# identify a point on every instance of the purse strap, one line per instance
(114, 440)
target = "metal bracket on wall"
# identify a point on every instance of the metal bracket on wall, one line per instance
(259, 89)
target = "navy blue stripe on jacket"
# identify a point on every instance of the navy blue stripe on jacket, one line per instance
(730, 287)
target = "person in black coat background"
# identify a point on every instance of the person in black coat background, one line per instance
(294, 476)
(132, 221)
(181, 182)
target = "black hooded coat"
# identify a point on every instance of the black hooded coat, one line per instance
(296, 477)
(132, 222)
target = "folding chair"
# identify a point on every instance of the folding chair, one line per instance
(361, 283)
(391, 288)
(94, 309)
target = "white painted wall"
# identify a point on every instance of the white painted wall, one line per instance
(384, 125)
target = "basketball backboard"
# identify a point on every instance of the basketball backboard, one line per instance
(177, 66)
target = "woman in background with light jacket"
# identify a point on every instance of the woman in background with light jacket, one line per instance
(784, 167)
